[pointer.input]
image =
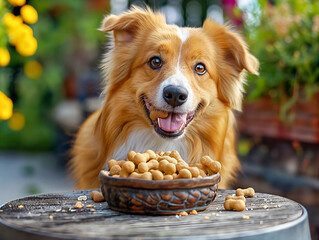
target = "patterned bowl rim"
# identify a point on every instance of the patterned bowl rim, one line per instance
(105, 179)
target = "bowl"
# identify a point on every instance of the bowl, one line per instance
(158, 197)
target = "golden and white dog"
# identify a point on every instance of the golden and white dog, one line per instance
(196, 75)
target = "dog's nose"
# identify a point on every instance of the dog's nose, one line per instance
(175, 95)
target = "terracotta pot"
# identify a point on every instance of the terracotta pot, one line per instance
(261, 118)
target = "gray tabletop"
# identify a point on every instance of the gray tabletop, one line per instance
(53, 216)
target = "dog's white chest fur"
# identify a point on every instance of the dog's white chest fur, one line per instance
(142, 140)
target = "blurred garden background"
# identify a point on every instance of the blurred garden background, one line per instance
(50, 52)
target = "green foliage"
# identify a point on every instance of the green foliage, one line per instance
(286, 42)
(63, 28)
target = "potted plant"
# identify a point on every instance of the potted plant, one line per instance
(283, 101)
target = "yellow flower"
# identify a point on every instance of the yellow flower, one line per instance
(17, 3)
(6, 107)
(4, 57)
(29, 14)
(33, 69)
(17, 121)
(27, 46)
(11, 21)
(19, 33)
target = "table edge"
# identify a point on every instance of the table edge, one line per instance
(301, 221)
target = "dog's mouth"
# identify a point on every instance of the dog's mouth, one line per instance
(173, 125)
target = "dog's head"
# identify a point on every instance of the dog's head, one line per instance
(180, 71)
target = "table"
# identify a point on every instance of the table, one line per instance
(53, 216)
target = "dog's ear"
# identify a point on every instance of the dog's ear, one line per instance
(127, 25)
(129, 32)
(234, 58)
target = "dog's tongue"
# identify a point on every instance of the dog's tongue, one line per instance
(173, 122)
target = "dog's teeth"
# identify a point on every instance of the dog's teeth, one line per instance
(158, 122)
(182, 126)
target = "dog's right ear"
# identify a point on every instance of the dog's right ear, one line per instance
(127, 25)
(123, 27)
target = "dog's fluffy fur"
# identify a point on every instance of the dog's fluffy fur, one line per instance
(123, 124)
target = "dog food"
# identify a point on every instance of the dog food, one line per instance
(157, 175)
(146, 167)
(248, 192)
(236, 198)
(193, 212)
(183, 213)
(233, 204)
(161, 166)
(146, 175)
(154, 114)
(97, 196)
(211, 165)
(79, 205)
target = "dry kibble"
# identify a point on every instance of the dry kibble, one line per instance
(168, 177)
(184, 173)
(146, 175)
(112, 163)
(248, 192)
(82, 198)
(154, 113)
(211, 164)
(160, 153)
(139, 158)
(236, 198)
(194, 170)
(168, 158)
(97, 196)
(183, 213)
(161, 166)
(176, 155)
(127, 169)
(236, 205)
(130, 155)
(202, 171)
(157, 175)
(166, 167)
(193, 212)
(181, 165)
(115, 170)
(121, 162)
(167, 153)
(79, 205)
(151, 154)
(146, 167)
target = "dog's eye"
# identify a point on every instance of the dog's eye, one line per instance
(200, 68)
(155, 62)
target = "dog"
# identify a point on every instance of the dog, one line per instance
(195, 75)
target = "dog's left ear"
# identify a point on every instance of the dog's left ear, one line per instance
(234, 58)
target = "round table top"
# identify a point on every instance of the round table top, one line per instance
(53, 216)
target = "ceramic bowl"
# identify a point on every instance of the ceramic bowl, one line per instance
(158, 197)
